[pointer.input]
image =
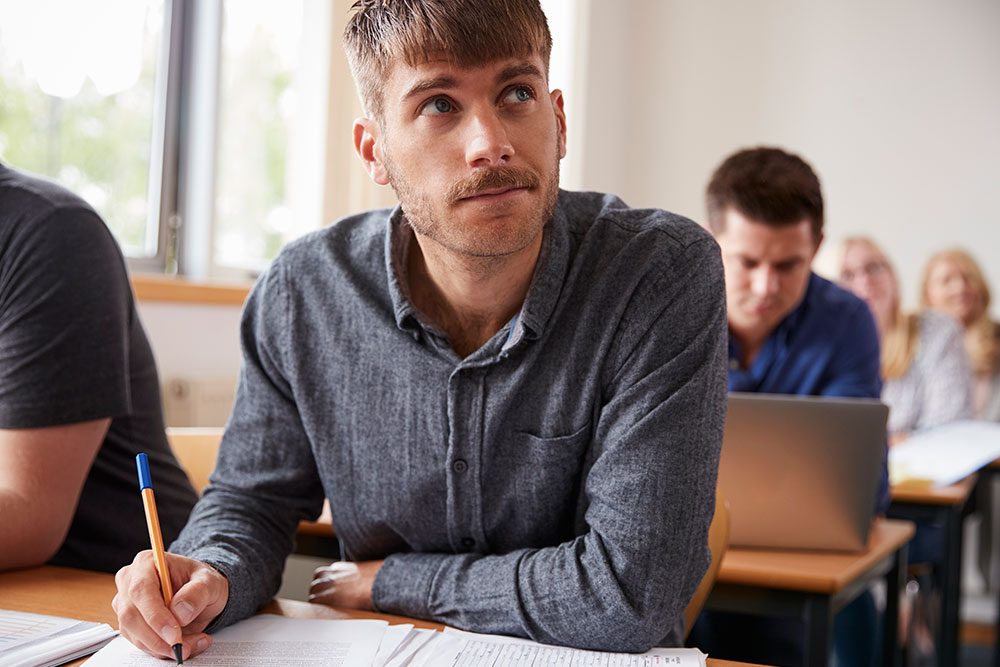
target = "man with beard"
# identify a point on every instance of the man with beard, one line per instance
(513, 396)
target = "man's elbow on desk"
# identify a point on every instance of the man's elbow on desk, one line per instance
(620, 630)
(25, 546)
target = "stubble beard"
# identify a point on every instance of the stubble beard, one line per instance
(489, 242)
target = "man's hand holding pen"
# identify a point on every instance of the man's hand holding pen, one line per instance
(143, 618)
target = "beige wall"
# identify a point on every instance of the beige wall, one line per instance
(896, 104)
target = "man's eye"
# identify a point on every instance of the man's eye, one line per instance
(438, 105)
(519, 94)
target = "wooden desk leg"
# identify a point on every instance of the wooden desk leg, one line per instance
(895, 584)
(818, 616)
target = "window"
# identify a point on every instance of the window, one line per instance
(269, 154)
(196, 128)
(77, 104)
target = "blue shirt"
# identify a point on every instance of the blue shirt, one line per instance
(827, 346)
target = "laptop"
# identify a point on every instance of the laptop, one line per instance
(801, 472)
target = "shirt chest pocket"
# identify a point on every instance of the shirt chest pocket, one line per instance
(537, 482)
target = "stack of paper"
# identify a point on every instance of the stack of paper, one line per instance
(34, 640)
(277, 641)
(945, 454)
(466, 649)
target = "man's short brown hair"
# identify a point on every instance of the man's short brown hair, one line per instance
(766, 185)
(468, 33)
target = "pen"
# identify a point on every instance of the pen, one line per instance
(155, 538)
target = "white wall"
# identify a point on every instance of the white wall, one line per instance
(199, 346)
(193, 341)
(896, 104)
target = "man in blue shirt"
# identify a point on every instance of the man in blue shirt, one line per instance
(790, 332)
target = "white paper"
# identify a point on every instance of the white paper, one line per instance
(945, 454)
(267, 640)
(18, 628)
(393, 637)
(465, 649)
(415, 641)
(36, 640)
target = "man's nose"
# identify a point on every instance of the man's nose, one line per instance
(488, 143)
(764, 281)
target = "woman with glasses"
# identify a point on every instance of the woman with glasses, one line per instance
(925, 369)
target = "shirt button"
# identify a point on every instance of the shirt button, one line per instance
(459, 466)
(468, 542)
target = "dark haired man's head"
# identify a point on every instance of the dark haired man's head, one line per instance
(766, 185)
(766, 211)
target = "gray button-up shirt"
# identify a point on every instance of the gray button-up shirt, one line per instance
(557, 483)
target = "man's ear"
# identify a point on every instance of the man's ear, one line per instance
(368, 144)
(557, 105)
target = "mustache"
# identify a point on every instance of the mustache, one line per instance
(500, 177)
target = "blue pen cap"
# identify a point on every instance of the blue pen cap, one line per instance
(142, 463)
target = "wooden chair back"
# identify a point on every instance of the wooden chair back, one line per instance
(196, 450)
(718, 542)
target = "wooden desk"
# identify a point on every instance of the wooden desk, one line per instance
(814, 586)
(85, 595)
(945, 505)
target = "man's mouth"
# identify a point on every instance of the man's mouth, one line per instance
(761, 307)
(493, 192)
(495, 183)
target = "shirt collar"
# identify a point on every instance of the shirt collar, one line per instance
(398, 237)
(539, 303)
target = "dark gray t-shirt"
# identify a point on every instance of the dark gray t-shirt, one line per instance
(72, 349)
(557, 483)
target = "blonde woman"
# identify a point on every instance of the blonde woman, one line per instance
(954, 284)
(925, 369)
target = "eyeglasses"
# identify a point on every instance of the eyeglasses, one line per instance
(871, 270)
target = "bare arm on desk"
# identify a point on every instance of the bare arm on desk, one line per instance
(42, 471)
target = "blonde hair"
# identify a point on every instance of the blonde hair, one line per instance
(466, 32)
(981, 333)
(901, 338)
